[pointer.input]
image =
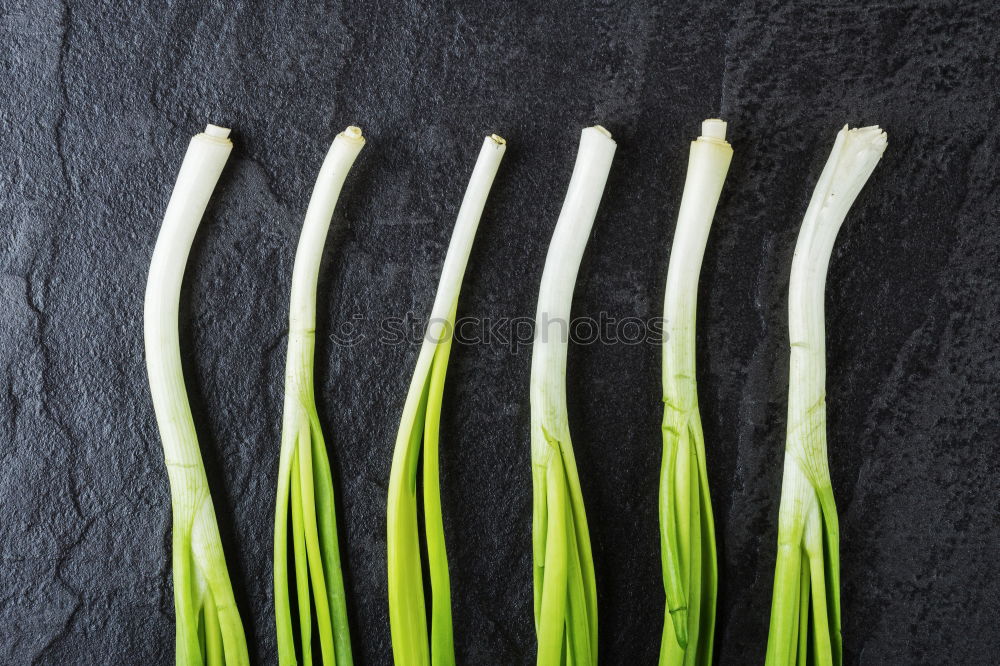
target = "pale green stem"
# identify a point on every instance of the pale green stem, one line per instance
(551, 632)
(213, 635)
(442, 639)
(301, 565)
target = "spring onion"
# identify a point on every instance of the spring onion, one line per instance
(419, 430)
(208, 626)
(805, 608)
(305, 483)
(565, 601)
(687, 529)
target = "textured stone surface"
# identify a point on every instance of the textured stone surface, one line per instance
(98, 102)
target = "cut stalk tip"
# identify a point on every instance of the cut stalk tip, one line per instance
(714, 128)
(873, 134)
(354, 133)
(602, 130)
(216, 131)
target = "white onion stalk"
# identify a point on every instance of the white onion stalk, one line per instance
(687, 529)
(419, 430)
(208, 626)
(805, 609)
(565, 591)
(305, 483)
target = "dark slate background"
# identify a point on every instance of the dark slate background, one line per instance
(99, 100)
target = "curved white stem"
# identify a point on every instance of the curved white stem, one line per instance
(854, 156)
(469, 214)
(555, 294)
(203, 163)
(707, 167)
(332, 174)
